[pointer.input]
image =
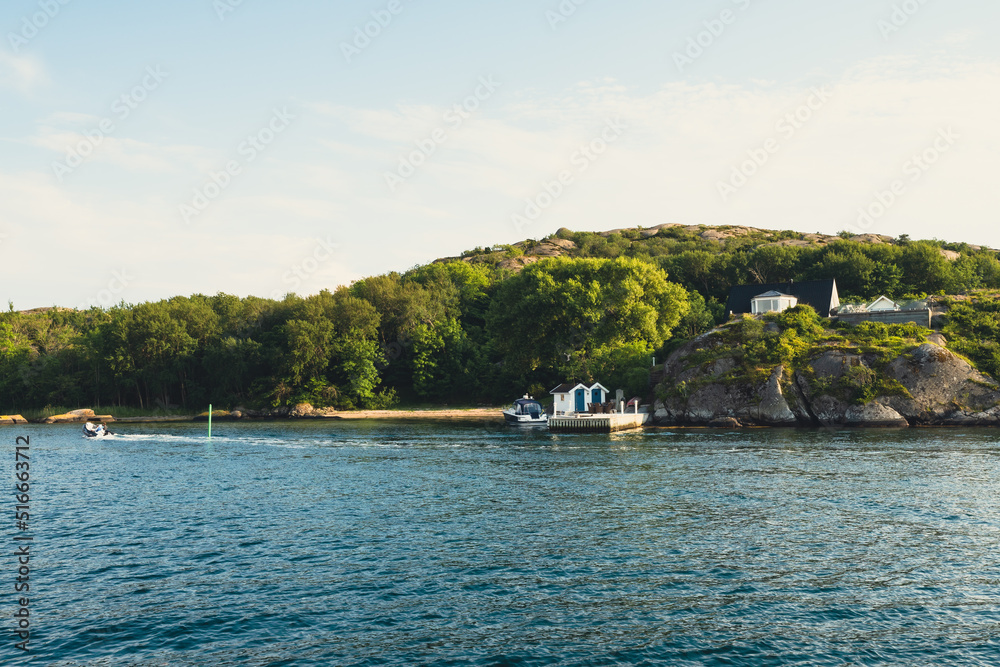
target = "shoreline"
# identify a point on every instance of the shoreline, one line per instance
(458, 415)
(476, 415)
(471, 414)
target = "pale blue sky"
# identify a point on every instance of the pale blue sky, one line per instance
(314, 207)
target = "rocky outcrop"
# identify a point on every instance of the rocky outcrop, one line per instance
(943, 389)
(77, 417)
(829, 411)
(217, 416)
(559, 245)
(762, 404)
(517, 263)
(704, 384)
(9, 420)
(298, 411)
(938, 339)
(307, 411)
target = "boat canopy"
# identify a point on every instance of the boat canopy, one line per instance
(527, 406)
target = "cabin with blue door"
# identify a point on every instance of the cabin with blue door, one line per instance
(576, 397)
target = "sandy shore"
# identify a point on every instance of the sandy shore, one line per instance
(469, 415)
(479, 415)
(472, 415)
(143, 420)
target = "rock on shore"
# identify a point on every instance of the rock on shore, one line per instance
(298, 411)
(77, 417)
(932, 386)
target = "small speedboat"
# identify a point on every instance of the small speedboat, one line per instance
(98, 431)
(524, 412)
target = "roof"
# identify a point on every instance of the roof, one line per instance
(567, 387)
(773, 293)
(820, 294)
(884, 299)
(570, 386)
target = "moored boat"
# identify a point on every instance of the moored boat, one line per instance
(525, 411)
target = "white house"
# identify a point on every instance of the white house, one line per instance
(772, 302)
(882, 304)
(571, 398)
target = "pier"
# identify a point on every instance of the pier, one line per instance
(599, 423)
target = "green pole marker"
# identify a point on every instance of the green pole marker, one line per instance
(209, 421)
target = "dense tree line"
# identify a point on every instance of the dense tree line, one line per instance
(899, 270)
(467, 330)
(446, 332)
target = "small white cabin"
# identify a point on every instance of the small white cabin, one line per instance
(772, 302)
(571, 398)
(883, 304)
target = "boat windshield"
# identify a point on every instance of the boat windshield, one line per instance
(528, 408)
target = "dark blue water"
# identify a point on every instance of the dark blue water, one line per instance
(397, 544)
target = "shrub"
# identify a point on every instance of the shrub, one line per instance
(804, 320)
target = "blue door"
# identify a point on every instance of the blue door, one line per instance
(581, 405)
(596, 393)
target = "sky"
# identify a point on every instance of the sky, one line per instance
(149, 150)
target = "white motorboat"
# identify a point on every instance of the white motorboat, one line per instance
(98, 431)
(525, 412)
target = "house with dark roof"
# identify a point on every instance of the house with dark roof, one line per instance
(776, 297)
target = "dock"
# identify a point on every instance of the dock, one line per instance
(599, 423)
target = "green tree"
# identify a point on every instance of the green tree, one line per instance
(924, 268)
(561, 309)
(852, 268)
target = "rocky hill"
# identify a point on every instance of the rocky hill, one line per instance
(517, 256)
(795, 370)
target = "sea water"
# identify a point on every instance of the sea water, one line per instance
(379, 543)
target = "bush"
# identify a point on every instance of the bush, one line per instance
(804, 320)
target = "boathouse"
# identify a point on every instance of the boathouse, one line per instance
(576, 397)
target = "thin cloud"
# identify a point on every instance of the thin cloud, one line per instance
(21, 73)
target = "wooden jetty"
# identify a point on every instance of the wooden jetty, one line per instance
(598, 423)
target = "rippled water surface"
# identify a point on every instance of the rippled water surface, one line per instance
(417, 544)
